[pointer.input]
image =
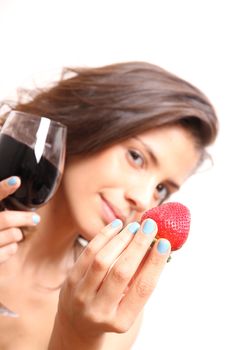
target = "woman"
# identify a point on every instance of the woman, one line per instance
(135, 135)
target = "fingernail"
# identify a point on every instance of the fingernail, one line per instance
(149, 226)
(12, 181)
(163, 246)
(133, 227)
(115, 223)
(35, 219)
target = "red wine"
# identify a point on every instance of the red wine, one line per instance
(38, 178)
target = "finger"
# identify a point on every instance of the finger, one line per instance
(9, 186)
(90, 251)
(9, 219)
(106, 256)
(146, 281)
(126, 266)
(7, 251)
(10, 236)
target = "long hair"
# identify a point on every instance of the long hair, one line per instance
(106, 105)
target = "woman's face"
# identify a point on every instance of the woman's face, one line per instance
(128, 178)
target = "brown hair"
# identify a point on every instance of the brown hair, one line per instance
(105, 105)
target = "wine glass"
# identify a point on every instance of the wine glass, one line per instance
(33, 148)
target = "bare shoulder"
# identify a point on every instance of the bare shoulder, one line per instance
(126, 340)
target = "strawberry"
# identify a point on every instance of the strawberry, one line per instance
(173, 221)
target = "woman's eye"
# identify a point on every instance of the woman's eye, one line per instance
(162, 191)
(136, 157)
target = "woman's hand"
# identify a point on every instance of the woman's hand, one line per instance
(11, 221)
(110, 283)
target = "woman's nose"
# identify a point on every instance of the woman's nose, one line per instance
(142, 197)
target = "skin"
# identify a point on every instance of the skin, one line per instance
(105, 290)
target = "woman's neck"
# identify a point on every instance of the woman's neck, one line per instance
(49, 250)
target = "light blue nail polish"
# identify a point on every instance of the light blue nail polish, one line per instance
(115, 223)
(12, 181)
(149, 226)
(133, 227)
(163, 246)
(36, 219)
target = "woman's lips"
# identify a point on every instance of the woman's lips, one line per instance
(109, 213)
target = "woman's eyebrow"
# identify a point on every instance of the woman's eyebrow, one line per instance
(155, 161)
(149, 151)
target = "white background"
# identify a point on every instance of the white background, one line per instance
(192, 306)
